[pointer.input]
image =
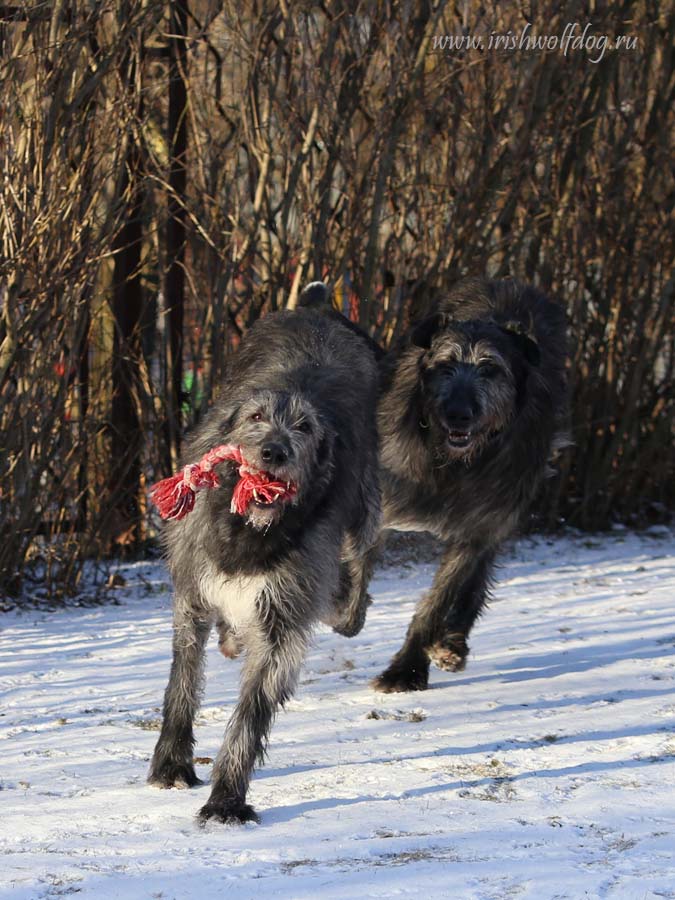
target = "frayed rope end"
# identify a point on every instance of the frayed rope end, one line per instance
(174, 497)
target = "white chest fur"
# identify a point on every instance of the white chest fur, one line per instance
(232, 596)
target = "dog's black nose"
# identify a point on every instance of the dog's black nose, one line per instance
(273, 453)
(459, 413)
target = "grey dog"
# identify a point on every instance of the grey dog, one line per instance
(473, 404)
(299, 400)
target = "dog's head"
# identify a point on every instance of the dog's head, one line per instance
(281, 433)
(471, 374)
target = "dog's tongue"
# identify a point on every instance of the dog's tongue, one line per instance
(261, 487)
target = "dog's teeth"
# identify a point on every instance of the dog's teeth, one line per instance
(255, 494)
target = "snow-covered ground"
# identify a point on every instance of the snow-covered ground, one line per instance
(545, 770)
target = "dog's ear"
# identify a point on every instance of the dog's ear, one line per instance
(227, 414)
(315, 295)
(524, 339)
(423, 332)
(325, 454)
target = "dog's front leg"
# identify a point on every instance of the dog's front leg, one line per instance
(270, 674)
(172, 764)
(442, 621)
(464, 600)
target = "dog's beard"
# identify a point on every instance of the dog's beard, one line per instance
(446, 453)
(263, 516)
(453, 445)
(263, 511)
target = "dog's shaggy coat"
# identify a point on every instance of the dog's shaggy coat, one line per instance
(299, 400)
(472, 406)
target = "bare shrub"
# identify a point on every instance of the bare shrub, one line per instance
(172, 171)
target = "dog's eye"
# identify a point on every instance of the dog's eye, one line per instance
(304, 426)
(488, 370)
(256, 417)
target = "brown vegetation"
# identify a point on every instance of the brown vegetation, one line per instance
(171, 171)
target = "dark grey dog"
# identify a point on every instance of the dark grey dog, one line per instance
(473, 405)
(299, 399)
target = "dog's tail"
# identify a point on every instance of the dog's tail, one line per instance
(317, 296)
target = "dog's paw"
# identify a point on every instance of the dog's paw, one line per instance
(174, 775)
(395, 680)
(450, 653)
(353, 621)
(229, 812)
(229, 646)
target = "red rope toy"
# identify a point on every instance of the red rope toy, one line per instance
(174, 497)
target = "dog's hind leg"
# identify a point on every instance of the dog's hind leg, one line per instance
(271, 669)
(441, 622)
(172, 764)
(353, 600)
(360, 551)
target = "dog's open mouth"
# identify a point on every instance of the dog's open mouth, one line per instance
(273, 493)
(260, 489)
(459, 439)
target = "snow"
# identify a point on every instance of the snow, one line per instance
(545, 770)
